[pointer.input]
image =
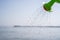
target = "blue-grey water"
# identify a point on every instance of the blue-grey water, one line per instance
(29, 33)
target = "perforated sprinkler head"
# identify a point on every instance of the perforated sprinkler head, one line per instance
(48, 6)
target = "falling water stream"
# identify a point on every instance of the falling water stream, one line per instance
(39, 15)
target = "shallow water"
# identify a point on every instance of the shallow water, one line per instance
(29, 33)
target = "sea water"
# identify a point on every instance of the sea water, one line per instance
(29, 33)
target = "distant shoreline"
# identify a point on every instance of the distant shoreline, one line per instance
(36, 26)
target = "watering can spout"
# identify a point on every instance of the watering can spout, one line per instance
(48, 6)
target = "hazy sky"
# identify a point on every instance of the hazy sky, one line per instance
(28, 12)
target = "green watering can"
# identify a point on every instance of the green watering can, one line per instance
(47, 6)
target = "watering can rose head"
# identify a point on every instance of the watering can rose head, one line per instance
(48, 6)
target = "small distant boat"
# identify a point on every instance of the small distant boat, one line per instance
(17, 26)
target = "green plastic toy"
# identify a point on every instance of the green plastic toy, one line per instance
(47, 6)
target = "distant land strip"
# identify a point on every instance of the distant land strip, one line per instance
(38, 26)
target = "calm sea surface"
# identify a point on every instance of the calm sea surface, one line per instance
(29, 33)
